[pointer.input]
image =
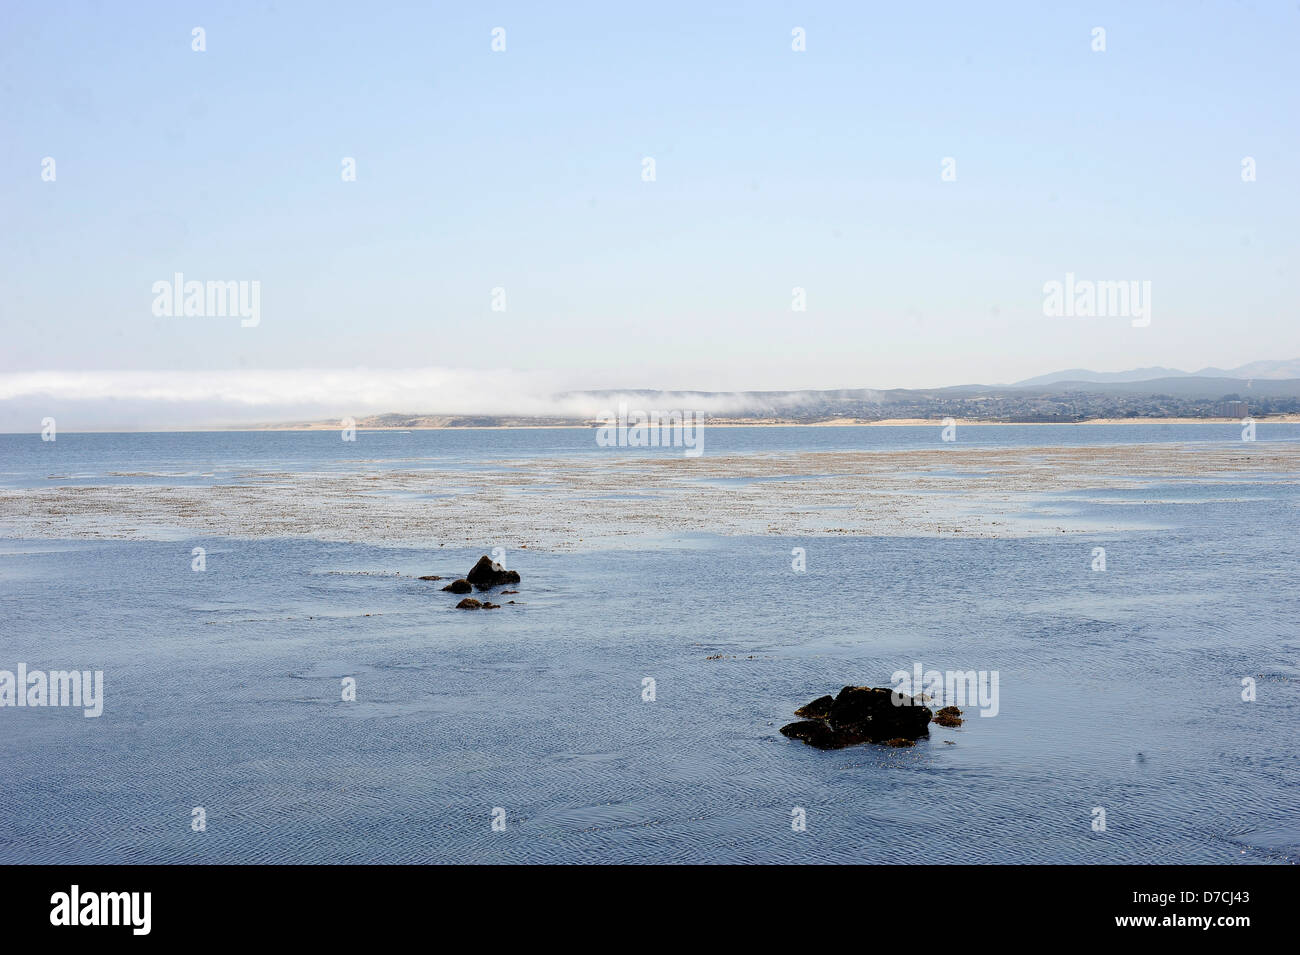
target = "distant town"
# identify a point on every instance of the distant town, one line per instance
(1185, 398)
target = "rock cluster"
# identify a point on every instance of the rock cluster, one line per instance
(487, 574)
(469, 603)
(860, 714)
(484, 575)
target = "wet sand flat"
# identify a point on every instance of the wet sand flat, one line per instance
(561, 503)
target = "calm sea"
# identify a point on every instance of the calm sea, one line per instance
(26, 461)
(1118, 690)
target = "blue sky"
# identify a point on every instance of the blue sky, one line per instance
(775, 169)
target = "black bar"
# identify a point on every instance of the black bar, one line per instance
(944, 903)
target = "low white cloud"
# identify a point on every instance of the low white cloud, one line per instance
(141, 400)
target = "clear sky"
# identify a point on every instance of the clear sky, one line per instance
(774, 169)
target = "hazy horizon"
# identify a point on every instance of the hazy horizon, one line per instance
(176, 400)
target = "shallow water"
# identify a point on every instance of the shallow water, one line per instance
(199, 457)
(1119, 690)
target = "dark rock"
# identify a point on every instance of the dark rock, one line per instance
(861, 714)
(459, 587)
(469, 603)
(813, 732)
(949, 716)
(430, 577)
(869, 714)
(818, 709)
(487, 574)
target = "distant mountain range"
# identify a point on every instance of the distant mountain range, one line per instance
(1255, 369)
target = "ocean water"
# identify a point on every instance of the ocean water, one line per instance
(1119, 690)
(212, 457)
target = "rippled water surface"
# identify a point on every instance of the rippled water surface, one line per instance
(201, 456)
(1120, 690)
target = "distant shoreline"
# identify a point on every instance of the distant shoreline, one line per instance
(725, 422)
(719, 422)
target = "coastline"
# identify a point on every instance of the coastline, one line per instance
(721, 421)
(716, 422)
